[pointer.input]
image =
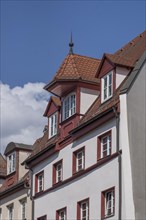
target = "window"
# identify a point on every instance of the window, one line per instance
(57, 172)
(79, 160)
(39, 182)
(23, 209)
(53, 125)
(104, 145)
(11, 163)
(108, 203)
(61, 214)
(69, 106)
(107, 86)
(42, 218)
(10, 212)
(83, 210)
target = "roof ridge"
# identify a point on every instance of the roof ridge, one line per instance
(84, 56)
(74, 64)
(132, 41)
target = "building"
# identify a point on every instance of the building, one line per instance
(15, 202)
(84, 165)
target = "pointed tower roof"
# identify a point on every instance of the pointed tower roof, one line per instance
(76, 68)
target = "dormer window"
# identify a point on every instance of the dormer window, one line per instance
(11, 163)
(69, 106)
(53, 125)
(107, 86)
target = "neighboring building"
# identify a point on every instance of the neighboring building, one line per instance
(133, 141)
(88, 163)
(15, 200)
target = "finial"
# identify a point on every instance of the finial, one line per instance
(71, 44)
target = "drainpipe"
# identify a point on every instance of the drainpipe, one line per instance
(31, 192)
(119, 163)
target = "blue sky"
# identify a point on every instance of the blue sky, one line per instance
(34, 42)
(35, 34)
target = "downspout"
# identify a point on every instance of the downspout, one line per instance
(31, 192)
(119, 163)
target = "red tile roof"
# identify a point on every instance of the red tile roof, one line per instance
(76, 67)
(85, 68)
(130, 53)
(3, 166)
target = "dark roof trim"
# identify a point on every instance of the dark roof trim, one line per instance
(68, 80)
(134, 74)
(91, 120)
(12, 146)
(27, 161)
(10, 189)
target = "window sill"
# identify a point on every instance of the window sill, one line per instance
(68, 119)
(11, 174)
(104, 101)
(109, 216)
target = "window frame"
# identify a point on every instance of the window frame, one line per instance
(80, 210)
(55, 174)
(11, 163)
(10, 211)
(37, 182)
(58, 212)
(69, 108)
(100, 147)
(76, 163)
(22, 202)
(53, 124)
(104, 201)
(109, 85)
(44, 217)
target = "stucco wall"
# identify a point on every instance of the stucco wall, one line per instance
(136, 104)
(90, 186)
(90, 143)
(15, 199)
(121, 73)
(87, 97)
(22, 156)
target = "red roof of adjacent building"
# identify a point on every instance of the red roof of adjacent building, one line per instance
(3, 166)
(76, 67)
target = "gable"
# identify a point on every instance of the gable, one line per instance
(51, 108)
(106, 67)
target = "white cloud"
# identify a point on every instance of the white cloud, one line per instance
(21, 114)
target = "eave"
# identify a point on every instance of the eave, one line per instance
(92, 123)
(59, 87)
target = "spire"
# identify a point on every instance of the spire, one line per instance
(71, 44)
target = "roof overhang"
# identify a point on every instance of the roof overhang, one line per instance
(59, 87)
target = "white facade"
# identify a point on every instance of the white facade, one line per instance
(87, 97)
(15, 200)
(90, 185)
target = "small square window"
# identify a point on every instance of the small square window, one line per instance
(57, 172)
(104, 145)
(79, 160)
(10, 211)
(23, 209)
(69, 106)
(83, 210)
(42, 218)
(61, 214)
(39, 182)
(108, 203)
